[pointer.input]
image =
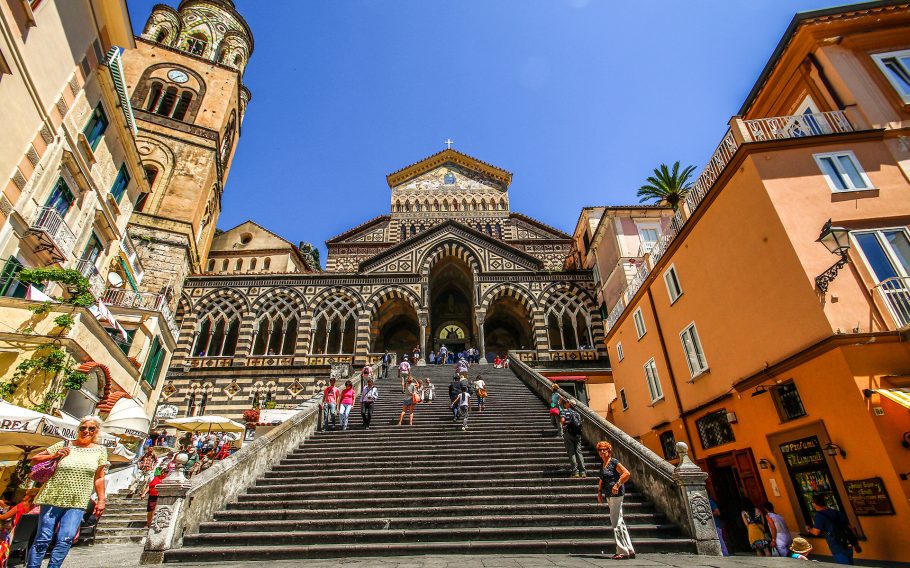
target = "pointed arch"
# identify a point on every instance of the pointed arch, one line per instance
(449, 248)
(218, 327)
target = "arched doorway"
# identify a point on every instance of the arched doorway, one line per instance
(395, 328)
(451, 293)
(507, 326)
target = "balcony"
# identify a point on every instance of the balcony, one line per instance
(132, 257)
(141, 301)
(895, 294)
(741, 132)
(53, 234)
(96, 282)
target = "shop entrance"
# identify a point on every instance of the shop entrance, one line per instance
(735, 485)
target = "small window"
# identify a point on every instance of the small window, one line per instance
(896, 67)
(639, 320)
(196, 44)
(671, 279)
(622, 399)
(128, 343)
(239, 264)
(668, 445)
(788, 402)
(695, 355)
(9, 284)
(183, 104)
(93, 249)
(253, 264)
(449, 178)
(162, 35)
(596, 272)
(842, 171)
(211, 264)
(151, 174)
(714, 429)
(95, 127)
(61, 198)
(267, 263)
(153, 363)
(654, 389)
(141, 202)
(224, 265)
(245, 238)
(619, 354)
(120, 183)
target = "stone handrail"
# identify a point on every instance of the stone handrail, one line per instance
(678, 492)
(183, 504)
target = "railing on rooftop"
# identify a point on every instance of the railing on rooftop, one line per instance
(755, 130)
(142, 301)
(895, 293)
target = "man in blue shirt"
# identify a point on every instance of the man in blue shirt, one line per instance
(835, 527)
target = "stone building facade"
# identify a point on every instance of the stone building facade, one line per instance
(185, 79)
(450, 264)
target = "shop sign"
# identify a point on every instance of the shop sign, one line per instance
(869, 497)
(167, 411)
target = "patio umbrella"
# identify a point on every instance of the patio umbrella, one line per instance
(128, 418)
(205, 424)
(24, 432)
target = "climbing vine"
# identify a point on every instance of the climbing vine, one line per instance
(52, 360)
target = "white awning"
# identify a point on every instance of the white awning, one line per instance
(128, 418)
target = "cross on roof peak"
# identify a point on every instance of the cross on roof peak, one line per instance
(448, 143)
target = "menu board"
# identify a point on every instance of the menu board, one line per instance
(869, 497)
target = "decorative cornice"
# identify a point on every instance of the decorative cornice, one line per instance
(453, 156)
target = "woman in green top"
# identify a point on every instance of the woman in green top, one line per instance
(65, 496)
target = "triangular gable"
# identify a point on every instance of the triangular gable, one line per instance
(499, 175)
(362, 231)
(495, 255)
(527, 228)
(231, 234)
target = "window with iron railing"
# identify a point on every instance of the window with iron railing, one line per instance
(714, 429)
(196, 45)
(668, 445)
(789, 404)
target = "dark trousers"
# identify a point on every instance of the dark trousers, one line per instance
(573, 448)
(366, 411)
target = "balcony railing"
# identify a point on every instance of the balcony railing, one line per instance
(895, 292)
(756, 130)
(54, 233)
(141, 301)
(96, 282)
(132, 256)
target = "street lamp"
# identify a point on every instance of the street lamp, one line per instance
(837, 241)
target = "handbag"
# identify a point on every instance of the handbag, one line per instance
(482, 393)
(554, 411)
(415, 397)
(42, 472)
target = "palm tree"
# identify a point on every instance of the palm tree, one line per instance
(667, 187)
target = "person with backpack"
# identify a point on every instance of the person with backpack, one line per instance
(384, 366)
(555, 405)
(480, 389)
(454, 390)
(404, 371)
(330, 405)
(368, 397)
(460, 404)
(834, 526)
(571, 422)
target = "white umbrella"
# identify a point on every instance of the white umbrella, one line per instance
(23, 432)
(205, 424)
(128, 418)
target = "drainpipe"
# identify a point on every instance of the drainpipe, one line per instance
(663, 347)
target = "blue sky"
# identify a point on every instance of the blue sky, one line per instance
(579, 99)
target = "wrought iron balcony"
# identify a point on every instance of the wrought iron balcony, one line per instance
(96, 282)
(895, 293)
(53, 234)
(141, 301)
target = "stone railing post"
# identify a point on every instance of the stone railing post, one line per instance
(423, 320)
(739, 130)
(162, 533)
(690, 480)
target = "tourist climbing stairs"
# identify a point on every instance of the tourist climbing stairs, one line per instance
(501, 486)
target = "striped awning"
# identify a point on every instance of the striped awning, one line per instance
(900, 396)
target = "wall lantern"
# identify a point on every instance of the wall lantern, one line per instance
(833, 450)
(765, 464)
(837, 241)
(762, 389)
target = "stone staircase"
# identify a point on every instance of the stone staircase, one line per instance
(502, 486)
(123, 520)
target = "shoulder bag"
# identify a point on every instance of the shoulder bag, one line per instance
(43, 471)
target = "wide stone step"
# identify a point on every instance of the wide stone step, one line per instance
(391, 481)
(550, 467)
(524, 546)
(543, 444)
(391, 523)
(454, 463)
(383, 476)
(405, 490)
(419, 500)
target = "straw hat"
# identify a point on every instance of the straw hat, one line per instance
(800, 545)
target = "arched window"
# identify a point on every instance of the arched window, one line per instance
(445, 204)
(202, 403)
(276, 327)
(154, 96)
(435, 205)
(183, 104)
(237, 60)
(162, 35)
(191, 404)
(219, 328)
(473, 205)
(455, 205)
(336, 326)
(227, 139)
(253, 264)
(267, 263)
(238, 266)
(196, 44)
(224, 265)
(151, 174)
(168, 100)
(489, 230)
(502, 204)
(426, 205)
(417, 206)
(211, 264)
(404, 232)
(413, 229)
(568, 322)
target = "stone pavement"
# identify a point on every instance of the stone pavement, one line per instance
(127, 556)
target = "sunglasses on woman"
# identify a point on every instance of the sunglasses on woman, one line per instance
(87, 429)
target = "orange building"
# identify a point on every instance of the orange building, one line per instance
(785, 367)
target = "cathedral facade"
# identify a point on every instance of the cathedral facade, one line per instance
(449, 264)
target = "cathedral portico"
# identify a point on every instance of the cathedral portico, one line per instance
(465, 273)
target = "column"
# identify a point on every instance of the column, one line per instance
(362, 339)
(481, 343)
(423, 320)
(690, 482)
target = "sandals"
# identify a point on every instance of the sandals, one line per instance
(623, 556)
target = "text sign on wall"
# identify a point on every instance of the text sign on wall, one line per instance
(869, 497)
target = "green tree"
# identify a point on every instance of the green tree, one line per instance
(667, 187)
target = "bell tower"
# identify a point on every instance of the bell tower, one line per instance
(185, 79)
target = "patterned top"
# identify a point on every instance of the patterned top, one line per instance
(74, 481)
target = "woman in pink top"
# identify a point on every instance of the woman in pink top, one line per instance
(348, 396)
